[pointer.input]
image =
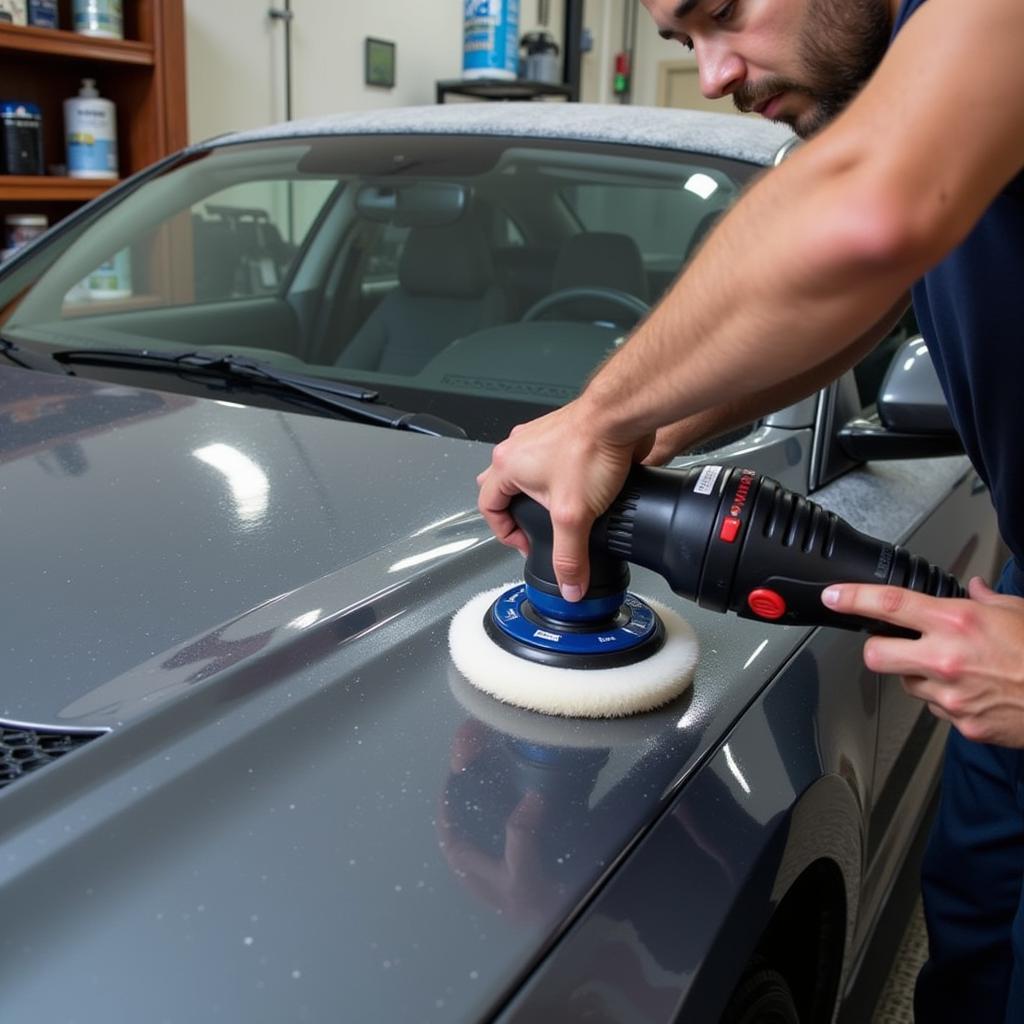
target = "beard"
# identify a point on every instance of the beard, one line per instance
(840, 48)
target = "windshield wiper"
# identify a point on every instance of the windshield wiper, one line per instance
(352, 401)
(22, 357)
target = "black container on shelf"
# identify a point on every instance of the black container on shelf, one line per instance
(43, 13)
(21, 138)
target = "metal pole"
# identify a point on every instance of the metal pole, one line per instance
(572, 66)
(286, 15)
(630, 9)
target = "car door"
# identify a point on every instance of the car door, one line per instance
(953, 526)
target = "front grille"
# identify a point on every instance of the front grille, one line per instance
(24, 748)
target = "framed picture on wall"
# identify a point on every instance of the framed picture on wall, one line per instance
(380, 63)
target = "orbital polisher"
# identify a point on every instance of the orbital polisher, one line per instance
(729, 539)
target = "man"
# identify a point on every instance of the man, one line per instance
(913, 174)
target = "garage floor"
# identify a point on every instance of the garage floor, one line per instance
(896, 1005)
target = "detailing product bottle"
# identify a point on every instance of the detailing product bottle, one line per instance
(99, 18)
(490, 39)
(112, 280)
(13, 12)
(541, 58)
(21, 138)
(43, 13)
(90, 126)
(22, 228)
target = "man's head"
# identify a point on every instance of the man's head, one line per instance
(797, 61)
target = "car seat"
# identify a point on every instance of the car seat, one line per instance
(599, 259)
(445, 291)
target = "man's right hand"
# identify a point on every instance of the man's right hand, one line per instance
(561, 461)
(670, 441)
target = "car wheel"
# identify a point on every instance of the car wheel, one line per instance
(762, 997)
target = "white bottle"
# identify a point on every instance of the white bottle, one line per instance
(90, 127)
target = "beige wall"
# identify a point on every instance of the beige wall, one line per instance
(236, 64)
(605, 20)
(233, 67)
(651, 50)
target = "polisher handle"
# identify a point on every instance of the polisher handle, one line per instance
(733, 539)
(609, 573)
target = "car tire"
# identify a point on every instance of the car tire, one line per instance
(763, 996)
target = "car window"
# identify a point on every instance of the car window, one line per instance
(236, 243)
(477, 278)
(667, 222)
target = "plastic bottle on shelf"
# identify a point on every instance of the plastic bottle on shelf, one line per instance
(21, 138)
(13, 12)
(490, 32)
(19, 230)
(43, 13)
(111, 280)
(90, 127)
(100, 18)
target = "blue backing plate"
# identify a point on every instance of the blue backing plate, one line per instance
(635, 626)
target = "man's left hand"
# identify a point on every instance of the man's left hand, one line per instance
(967, 665)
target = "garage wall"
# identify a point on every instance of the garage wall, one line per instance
(651, 50)
(236, 62)
(233, 66)
(605, 18)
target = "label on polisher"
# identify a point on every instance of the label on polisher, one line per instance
(708, 478)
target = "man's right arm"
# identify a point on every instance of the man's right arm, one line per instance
(810, 257)
(684, 435)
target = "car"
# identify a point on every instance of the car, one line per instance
(244, 398)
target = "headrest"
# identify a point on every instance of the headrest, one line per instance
(601, 259)
(446, 262)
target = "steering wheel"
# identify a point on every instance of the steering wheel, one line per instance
(637, 308)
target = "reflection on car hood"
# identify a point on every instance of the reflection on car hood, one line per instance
(140, 519)
(299, 807)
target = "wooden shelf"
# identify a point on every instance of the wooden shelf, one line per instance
(98, 307)
(143, 75)
(58, 43)
(47, 188)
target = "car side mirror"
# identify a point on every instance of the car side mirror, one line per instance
(912, 419)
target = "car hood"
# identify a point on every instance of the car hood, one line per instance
(295, 808)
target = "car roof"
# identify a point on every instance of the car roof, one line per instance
(724, 135)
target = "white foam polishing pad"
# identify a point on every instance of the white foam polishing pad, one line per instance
(572, 692)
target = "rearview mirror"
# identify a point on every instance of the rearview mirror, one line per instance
(912, 420)
(421, 204)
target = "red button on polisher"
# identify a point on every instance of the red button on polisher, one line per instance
(730, 530)
(767, 604)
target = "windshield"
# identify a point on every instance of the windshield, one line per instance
(479, 279)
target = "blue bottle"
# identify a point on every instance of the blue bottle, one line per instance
(491, 39)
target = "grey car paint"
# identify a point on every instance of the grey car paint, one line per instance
(295, 809)
(264, 832)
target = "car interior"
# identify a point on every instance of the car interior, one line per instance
(481, 272)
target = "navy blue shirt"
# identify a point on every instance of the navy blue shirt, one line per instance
(970, 309)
